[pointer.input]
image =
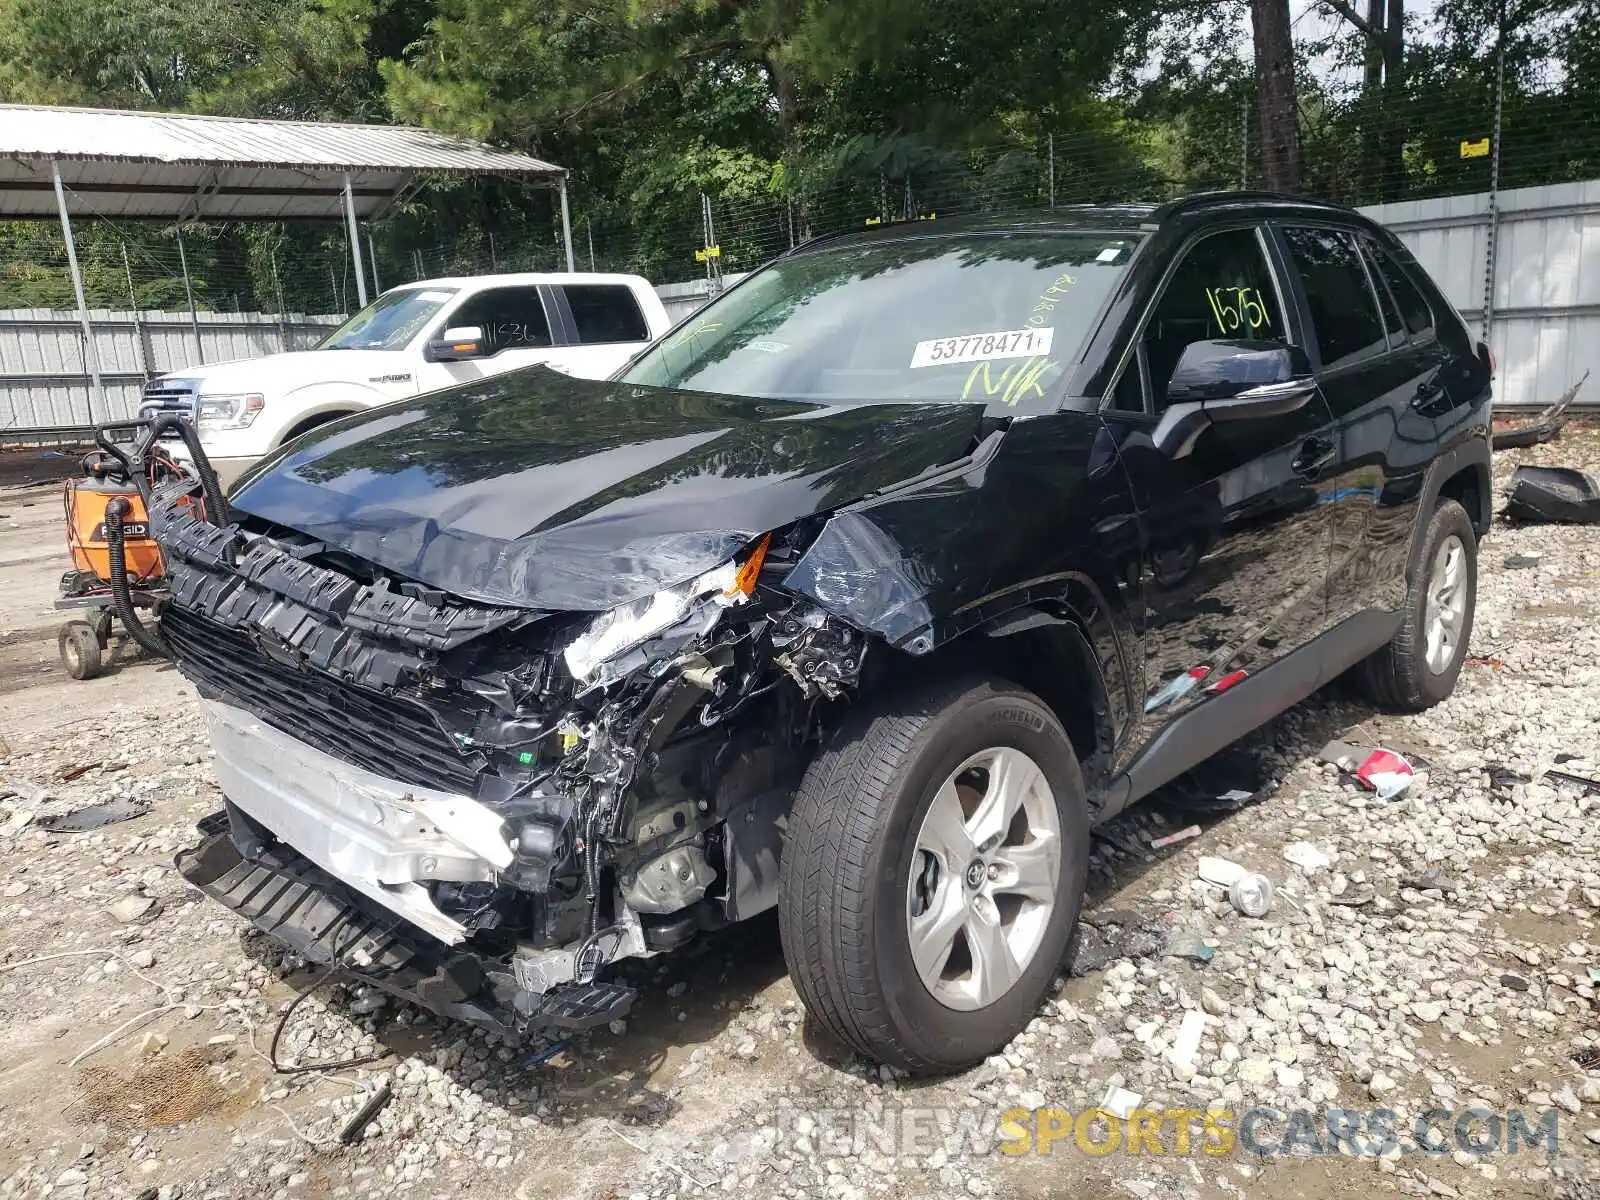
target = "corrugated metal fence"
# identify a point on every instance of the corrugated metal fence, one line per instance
(1541, 286)
(1531, 257)
(44, 382)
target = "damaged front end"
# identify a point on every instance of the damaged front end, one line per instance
(480, 808)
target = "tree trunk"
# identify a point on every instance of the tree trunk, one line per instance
(1275, 91)
(1394, 102)
(1374, 122)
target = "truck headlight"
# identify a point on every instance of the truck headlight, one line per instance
(229, 412)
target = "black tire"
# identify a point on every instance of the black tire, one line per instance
(80, 650)
(1398, 676)
(847, 861)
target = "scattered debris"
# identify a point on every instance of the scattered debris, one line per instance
(544, 1055)
(96, 816)
(1432, 880)
(1172, 839)
(1187, 1044)
(1251, 895)
(1553, 495)
(1105, 938)
(1386, 773)
(1120, 1102)
(68, 774)
(1504, 778)
(366, 1114)
(30, 795)
(1592, 786)
(1379, 770)
(1521, 562)
(1219, 871)
(1543, 428)
(1475, 660)
(134, 910)
(1307, 857)
(1587, 1059)
(1515, 982)
(1354, 896)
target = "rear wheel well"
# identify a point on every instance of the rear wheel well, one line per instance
(1468, 488)
(1050, 658)
(311, 423)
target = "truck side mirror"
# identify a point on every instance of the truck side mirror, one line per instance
(457, 345)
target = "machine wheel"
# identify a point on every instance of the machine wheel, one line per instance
(934, 868)
(80, 649)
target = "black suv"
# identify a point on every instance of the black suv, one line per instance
(862, 594)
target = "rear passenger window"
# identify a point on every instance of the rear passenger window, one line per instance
(606, 312)
(1414, 309)
(1344, 311)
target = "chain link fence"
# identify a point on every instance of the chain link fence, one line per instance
(1475, 132)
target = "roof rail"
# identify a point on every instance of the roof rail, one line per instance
(1202, 200)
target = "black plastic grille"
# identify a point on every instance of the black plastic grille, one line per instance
(387, 735)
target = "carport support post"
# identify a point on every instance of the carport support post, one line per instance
(355, 240)
(188, 290)
(566, 226)
(91, 353)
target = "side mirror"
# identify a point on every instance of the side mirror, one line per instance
(457, 345)
(1217, 381)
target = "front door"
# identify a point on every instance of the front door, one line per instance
(1235, 543)
(516, 331)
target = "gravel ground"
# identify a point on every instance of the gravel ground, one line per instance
(137, 1017)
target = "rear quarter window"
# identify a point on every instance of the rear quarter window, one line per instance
(606, 312)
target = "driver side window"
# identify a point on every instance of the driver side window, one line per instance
(511, 318)
(1222, 289)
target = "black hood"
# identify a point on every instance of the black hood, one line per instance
(540, 490)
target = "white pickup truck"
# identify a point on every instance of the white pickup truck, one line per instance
(417, 338)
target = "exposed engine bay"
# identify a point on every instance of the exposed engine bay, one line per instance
(478, 807)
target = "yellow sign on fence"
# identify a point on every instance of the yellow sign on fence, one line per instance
(708, 252)
(1477, 149)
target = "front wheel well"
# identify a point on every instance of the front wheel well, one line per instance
(311, 422)
(1047, 655)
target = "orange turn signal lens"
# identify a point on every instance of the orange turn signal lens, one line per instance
(744, 581)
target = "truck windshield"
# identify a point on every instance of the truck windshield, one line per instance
(995, 318)
(390, 321)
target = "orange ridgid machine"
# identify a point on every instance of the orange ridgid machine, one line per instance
(87, 587)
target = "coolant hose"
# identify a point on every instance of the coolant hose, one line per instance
(121, 600)
(217, 510)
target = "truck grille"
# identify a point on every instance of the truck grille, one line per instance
(387, 735)
(166, 397)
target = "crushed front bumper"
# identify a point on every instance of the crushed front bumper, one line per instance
(288, 897)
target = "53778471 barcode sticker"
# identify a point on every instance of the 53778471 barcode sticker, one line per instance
(980, 347)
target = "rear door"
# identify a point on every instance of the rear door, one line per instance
(1235, 544)
(602, 325)
(1381, 380)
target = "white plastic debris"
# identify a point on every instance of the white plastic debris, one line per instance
(1307, 857)
(1120, 1102)
(1187, 1044)
(1219, 871)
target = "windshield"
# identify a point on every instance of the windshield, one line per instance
(389, 322)
(994, 318)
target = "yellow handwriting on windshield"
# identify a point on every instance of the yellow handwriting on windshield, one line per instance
(1050, 297)
(1011, 385)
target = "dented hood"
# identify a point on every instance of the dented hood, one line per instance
(540, 490)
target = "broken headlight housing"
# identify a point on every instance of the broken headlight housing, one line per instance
(691, 607)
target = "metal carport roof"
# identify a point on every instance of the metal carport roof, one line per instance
(178, 168)
(174, 167)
